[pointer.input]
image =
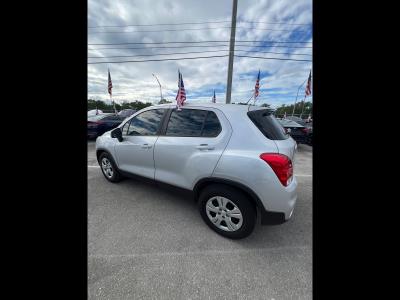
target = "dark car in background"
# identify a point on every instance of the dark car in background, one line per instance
(126, 112)
(98, 124)
(301, 134)
(308, 127)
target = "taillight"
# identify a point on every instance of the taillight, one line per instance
(281, 164)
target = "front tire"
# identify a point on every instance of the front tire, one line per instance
(227, 211)
(109, 168)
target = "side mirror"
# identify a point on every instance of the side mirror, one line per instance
(117, 133)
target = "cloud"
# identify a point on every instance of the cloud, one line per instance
(134, 81)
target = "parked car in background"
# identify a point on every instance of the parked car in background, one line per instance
(307, 125)
(235, 161)
(300, 133)
(93, 112)
(126, 112)
(98, 124)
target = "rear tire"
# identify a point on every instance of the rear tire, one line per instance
(109, 168)
(227, 211)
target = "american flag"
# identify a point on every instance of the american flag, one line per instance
(214, 99)
(257, 87)
(308, 87)
(109, 83)
(181, 95)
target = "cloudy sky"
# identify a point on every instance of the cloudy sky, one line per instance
(277, 21)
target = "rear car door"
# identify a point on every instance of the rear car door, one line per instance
(190, 146)
(135, 153)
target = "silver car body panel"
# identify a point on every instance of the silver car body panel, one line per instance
(235, 156)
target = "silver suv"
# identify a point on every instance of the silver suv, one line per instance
(235, 160)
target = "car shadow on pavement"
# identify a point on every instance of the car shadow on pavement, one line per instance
(159, 213)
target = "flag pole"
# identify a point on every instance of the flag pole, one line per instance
(250, 98)
(297, 96)
(113, 102)
(301, 114)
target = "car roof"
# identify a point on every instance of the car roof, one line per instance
(221, 106)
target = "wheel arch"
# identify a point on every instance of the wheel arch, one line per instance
(201, 184)
(100, 151)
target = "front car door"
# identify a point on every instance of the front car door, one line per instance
(190, 146)
(135, 153)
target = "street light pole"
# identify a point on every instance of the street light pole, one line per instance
(231, 52)
(159, 85)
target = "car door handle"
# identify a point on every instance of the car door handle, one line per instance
(146, 146)
(204, 147)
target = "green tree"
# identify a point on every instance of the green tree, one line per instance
(93, 104)
(280, 111)
(164, 101)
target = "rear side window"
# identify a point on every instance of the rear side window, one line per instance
(146, 123)
(211, 127)
(267, 124)
(187, 122)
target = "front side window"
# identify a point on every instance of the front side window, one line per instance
(146, 123)
(124, 128)
(187, 122)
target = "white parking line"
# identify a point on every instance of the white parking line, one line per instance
(93, 166)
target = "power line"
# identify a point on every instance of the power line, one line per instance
(193, 23)
(127, 61)
(273, 58)
(198, 42)
(197, 57)
(192, 52)
(190, 29)
(200, 46)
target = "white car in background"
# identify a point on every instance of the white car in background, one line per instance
(236, 160)
(93, 112)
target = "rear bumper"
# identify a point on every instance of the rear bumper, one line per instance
(93, 133)
(272, 218)
(278, 204)
(301, 139)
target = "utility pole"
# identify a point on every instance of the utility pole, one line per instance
(159, 85)
(231, 52)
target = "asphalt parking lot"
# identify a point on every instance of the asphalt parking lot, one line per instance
(145, 242)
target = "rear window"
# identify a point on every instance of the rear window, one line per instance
(267, 124)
